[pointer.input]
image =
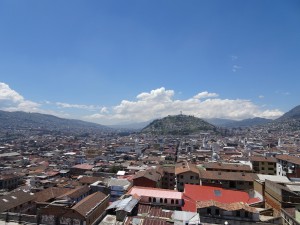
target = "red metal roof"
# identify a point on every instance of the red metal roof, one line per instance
(195, 193)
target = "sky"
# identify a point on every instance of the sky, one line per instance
(117, 62)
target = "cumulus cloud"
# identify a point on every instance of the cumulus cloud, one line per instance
(160, 102)
(206, 94)
(147, 106)
(261, 96)
(10, 100)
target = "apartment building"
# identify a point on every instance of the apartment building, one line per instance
(186, 173)
(263, 165)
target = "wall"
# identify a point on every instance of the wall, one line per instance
(22, 218)
(165, 201)
(185, 178)
(259, 187)
(144, 182)
(273, 197)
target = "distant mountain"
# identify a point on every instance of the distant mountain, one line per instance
(178, 125)
(131, 126)
(248, 122)
(219, 122)
(290, 121)
(292, 114)
(37, 121)
(238, 123)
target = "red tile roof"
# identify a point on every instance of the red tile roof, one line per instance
(227, 206)
(262, 159)
(235, 176)
(83, 166)
(289, 158)
(186, 167)
(227, 166)
(88, 204)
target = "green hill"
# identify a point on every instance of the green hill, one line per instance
(178, 125)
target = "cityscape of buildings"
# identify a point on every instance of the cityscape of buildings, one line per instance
(247, 176)
(149, 112)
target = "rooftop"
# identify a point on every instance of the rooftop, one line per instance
(155, 192)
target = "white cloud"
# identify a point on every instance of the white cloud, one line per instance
(10, 100)
(235, 68)
(206, 94)
(147, 105)
(77, 106)
(104, 110)
(261, 96)
(234, 57)
(159, 103)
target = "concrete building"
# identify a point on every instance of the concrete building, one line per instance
(263, 165)
(157, 196)
(186, 173)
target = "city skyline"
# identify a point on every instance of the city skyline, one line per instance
(125, 62)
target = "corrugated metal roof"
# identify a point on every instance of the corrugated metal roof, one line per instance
(126, 204)
(180, 217)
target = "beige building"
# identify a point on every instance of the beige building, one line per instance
(186, 173)
(263, 165)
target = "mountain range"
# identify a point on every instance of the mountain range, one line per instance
(180, 124)
(37, 121)
(238, 123)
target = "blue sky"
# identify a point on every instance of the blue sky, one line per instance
(130, 61)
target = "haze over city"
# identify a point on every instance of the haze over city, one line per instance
(114, 62)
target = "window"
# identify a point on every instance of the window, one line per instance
(246, 214)
(217, 193)
(161, 200)
(217, 212)
(192, 177)
(177, 202)
(181, 176)
(263, 168)
(172, 201)
(154, 199)
(238, 213)
(165, 201)
(209, 211)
